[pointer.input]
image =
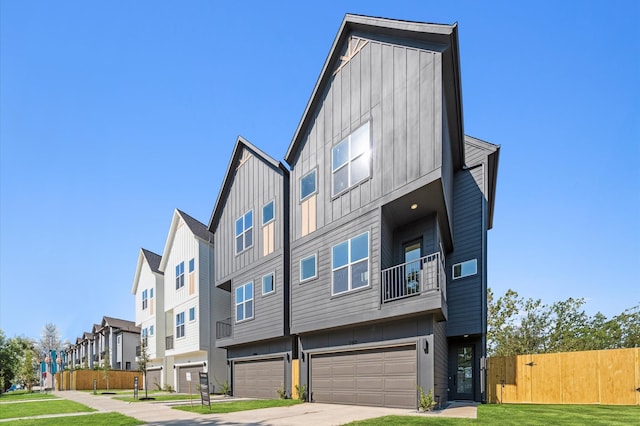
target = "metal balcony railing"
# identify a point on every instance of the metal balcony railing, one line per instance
(420, 276)
(169, 342)
(224, 329)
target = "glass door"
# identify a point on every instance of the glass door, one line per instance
(461, 379)
(412, 254)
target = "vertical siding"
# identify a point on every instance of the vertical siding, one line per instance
(441, 360)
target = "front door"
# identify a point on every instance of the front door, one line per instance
(462, 373)
(412, 254)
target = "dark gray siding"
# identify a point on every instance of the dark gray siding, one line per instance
(465, 295)
(441, 358)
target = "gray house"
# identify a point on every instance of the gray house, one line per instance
(250, 223)
(390, 206)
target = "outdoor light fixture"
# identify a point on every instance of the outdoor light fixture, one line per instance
(414, 206)
(287, 357)
(302, 356)
(426, 346)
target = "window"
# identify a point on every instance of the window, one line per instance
(179, 275)
(192, 314)
(150, 332)
(192, 265)
(244, 232)
(308, 268)
(244, 302)
(268, 284)
(268, 213)
(145, 333)
(465, 269)
(350, 160)
(145, 301)
(180, 325)
(350, 264)
(307, 185)
(151, 293)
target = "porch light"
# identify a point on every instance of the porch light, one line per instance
(414, 206)
(426, 346)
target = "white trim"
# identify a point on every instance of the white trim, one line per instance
(273, 201)
(462, 265)
(273, 274)
(350, 264)
(243, 233)
(300, 197)
(244, 302)
(315, 258)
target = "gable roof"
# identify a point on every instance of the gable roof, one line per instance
(197, 228)
(120, 324)
(491, 172)
(440, 34)
(152, 259)
(241, 144)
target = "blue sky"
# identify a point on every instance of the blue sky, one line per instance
(115, 113)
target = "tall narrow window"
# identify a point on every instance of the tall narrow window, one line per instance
(308, 185)
(350, 264)
(244, 232)
(179, 275)
(268, 213)
(180, 325)
(145, 300)
(192, 276)
(150, 332)
(350, 162)
(192, 314)
(244, 302)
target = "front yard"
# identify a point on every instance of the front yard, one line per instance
(232, 406)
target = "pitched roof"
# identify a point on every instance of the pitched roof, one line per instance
(152, 259)
(119, 324)
(440, 34)
(241, 144)
(491, 172)
(197, 228)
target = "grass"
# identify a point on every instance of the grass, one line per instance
(24, 395)
(521, 414)
(100, 419)
(230, 407)
(38, 408)
(171, 397)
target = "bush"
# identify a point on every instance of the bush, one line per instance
(282, 393)
(426, 402)
(302, 392)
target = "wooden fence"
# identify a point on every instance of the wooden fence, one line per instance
(83, 380)
(591, 377)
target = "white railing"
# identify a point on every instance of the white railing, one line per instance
(413, 278)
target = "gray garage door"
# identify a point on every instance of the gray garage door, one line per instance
(259, 378)
(183, 384)
(153, 377)
(380, 377)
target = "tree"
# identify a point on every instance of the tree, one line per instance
(49, 340)
(12, 354)
(105, 366)
(143, 361)
(27, 374)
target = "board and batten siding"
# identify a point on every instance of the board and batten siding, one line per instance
(255, 183)
(399, 90)
(464, 295)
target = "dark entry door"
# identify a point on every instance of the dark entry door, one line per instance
(462, 373)
(412, 253)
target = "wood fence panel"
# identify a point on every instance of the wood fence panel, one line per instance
(118, 379)
(591, 377)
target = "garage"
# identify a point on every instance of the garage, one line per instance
(154, 379)
(183, 384)
(379, 377)
(258, 378)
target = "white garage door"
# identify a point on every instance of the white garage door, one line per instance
(381, 377)
(183, 384)
(258, 378)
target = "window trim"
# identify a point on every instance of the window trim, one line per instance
(145, 300)
(193, 308)
(180, 276)
(243, 233)
(315, 184)
(461, 264)
(315, 259)
(273, 275)
(350, 264)
(151, 330)
(244, 302)
(274, 212)
(192, 264)
(349, 161)
(180, 316)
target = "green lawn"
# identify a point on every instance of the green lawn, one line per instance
(100, 419)
(521, 414)
(156, 397)
(230, 407)
(37, 408)
(22, 395)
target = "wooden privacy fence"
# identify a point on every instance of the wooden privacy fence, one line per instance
(83, 379)
(590, 377)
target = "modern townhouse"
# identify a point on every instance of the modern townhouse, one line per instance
(390, 207)
(250, 224)
(190, 305)
(148, 288)
(116, 340)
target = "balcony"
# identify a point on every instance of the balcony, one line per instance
(418, 277)
(224, 329)
(169, 342)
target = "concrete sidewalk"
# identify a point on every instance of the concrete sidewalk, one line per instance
(315, 414)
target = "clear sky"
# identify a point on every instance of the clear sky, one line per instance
(115, 113)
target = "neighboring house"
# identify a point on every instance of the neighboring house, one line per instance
(118, 341)
(148, 288)
(191, 305)
(390, 207)
(86, 350)
(250, 223)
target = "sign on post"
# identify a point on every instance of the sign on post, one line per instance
(204, 389)
(135, 387)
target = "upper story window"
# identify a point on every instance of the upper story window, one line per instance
(268, 284)
(179, 275)
(308, 185)
(268, 213)
(150, 332)
(465, 269)
(350, 264)
(308, 268)
(192, 314)
(180, 325)
(244, 302)
(350, 160)
(151, 293)
(145, 301)
(192, 265)
(244, 232)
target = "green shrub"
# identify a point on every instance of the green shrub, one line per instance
(426, 402)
